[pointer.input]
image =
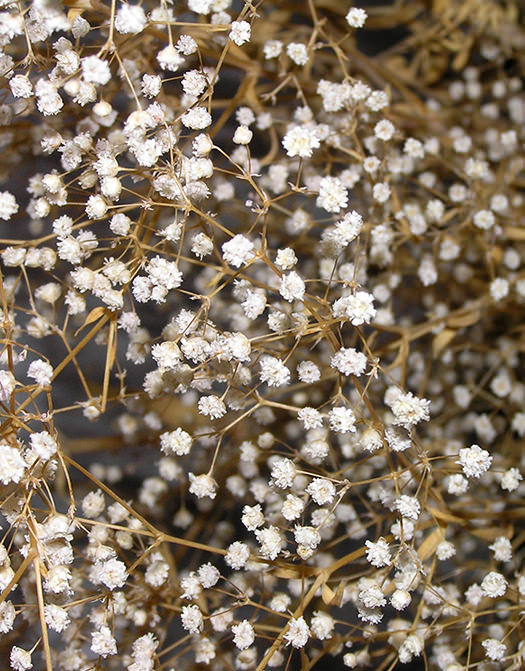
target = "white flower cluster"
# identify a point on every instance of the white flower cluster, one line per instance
(261, 311)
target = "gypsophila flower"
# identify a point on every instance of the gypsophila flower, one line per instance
(311, 418)
(381, 192)
(292, 508)
(400, 599)
(252, 517)
(43, 445)
(298, 632)
(240, 32)
(237, 555)
(12, 465)
(307, 539)
(208, 575)
(333, 195)
(41, 372)
(242, 135)
(177, 442)
(243, 635)
(484, 219)
(511, 479)
(196, 118)
(502, 549)
(349, 361)
(301, 141)
(192, 619)
(272, 48)
(445, 550)
(356, 17)
(342, 420)
(358, 308)
(292, 287)
(408, 506)
(378, 554)
(7, 385)
(409, 410)
(384, 130)
(130, 19)
(308, 372)
(211, 406)
(494, 585)
(322, 625)
(103, 643)
(474, 461)
(270, 541)
(21, 86)
(298, 53)
(494, 649)
(202, 486)
(8, 205)
(499, 288)
(7, 617)
(283, 473)
(112, 573)
(274, 372)
(322, 491)
(20, 659)
(286, 258)
(237, 251)
(96, 70)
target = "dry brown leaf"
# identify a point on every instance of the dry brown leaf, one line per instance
(93, 315)
(514, 232)
(442, 339)
(466, 319)
(327, 594)
(429, 545)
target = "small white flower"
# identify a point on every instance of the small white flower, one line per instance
(20, 659)
(130, 19)
(8, 205)
(333, 195)
(242, 135)
(494, 649)
(358, 308)
(378, 554)
(112, 573)
(243, 634)
(349, 361)
(298, 633)
(300, 141)
(356, 17)
(103, 643)
(494, 585)
(292, 287)
(237, 251)
(274, 372)
(240, 32)
(12, 465)
(474, 461)
(202, 486)
(192, 619)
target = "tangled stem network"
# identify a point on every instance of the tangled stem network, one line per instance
(262, 293)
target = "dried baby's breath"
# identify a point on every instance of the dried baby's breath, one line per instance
(262, 299)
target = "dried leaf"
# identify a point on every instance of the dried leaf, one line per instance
(465, 319)
(445, 516)
(442, 340)
(429, 545)
(327, 594)
(514, 232)
(96, 313)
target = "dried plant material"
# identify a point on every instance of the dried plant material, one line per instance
(262, 298)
